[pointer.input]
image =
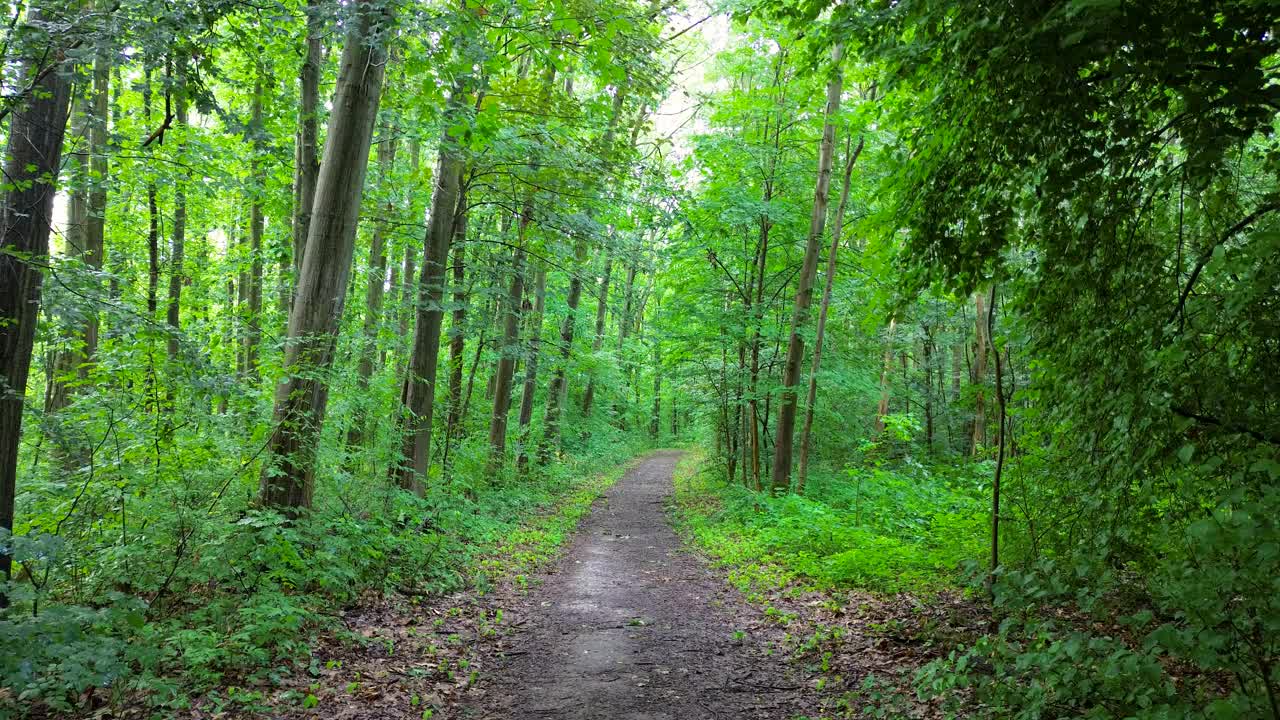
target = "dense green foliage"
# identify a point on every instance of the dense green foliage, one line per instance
(1043, 270)
(1102, 178)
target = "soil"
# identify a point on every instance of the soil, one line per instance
(629, 624)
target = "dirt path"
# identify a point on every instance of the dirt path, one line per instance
(628, 624)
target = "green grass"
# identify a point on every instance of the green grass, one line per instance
(903, 528)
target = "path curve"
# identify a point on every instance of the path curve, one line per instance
(629, 625)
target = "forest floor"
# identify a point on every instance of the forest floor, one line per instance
(627, 622)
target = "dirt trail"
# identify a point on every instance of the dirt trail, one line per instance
(628, 624)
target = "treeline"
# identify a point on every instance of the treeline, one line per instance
(1047, 241)
(306, 283)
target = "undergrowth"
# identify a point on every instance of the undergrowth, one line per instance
(881, 527)
(245, 600)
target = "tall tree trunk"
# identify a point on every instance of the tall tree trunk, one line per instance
(306, 162)
(781, 479)
(458, 322)
(957, 365)
(624, 323)
(153, 215)
(531, 367)
(979, 373)
(178, 242)
(253, 319)
(837, 230)
(995, 483)
(559, 381)
(509, 349)
(886, 367)
(301, 397)
(926, 350)
(376, 283)
(655, 421)
(62, 365)
(377, 273)
(409, 265)
(96, 223)
(602, 309)
(34, 154)
(419, 393)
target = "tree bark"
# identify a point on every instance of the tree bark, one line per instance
(177, 243)
(289, 478)
(509, 349)
(559, 381)
(995, 483)
(386, 154)
(602, 309)
(781, 478)
(153, 215)
(253, 319)
(531, 367)
(306, 163)
(926, 351)
(419, 393)
(96, 223)
(837, 229)
(979, 373)
(458, 322)
(410, 267)
(886, 367)
(62, 365)
(37, 130)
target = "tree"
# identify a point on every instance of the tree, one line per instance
(301, 397)
(32, 161)
(781, 476)
(837, 230)
(419, 392)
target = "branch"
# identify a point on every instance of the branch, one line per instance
(1207, 255)
(1231, 427)
(159, 132)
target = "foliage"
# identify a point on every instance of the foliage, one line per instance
(250, 603)
(888, 530)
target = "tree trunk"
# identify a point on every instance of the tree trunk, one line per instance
(153, 215)
(306, 163)
(96, 223)
(926, 350)
(419, 393)
(979, 374)
(886, 367)
(253, 320)
(602, 309)
(376, 282)
(458, 323)
(837, 229)
(531, 367)
(782, 445)
(995, 483)
(36, 132)
(559, 385)
(63, 363)
(409, 265)
(301, 397)
(624, 323)
(509, 349)
(655, 421)
(178, 242)
(377, 273)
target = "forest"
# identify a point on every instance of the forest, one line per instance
(640, 359)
